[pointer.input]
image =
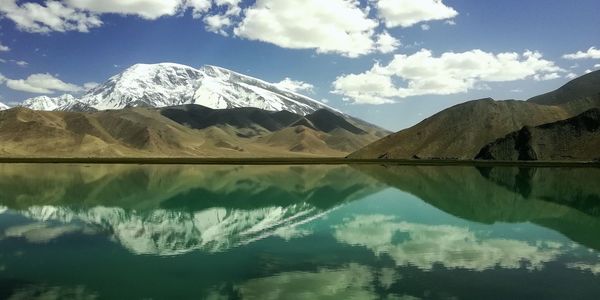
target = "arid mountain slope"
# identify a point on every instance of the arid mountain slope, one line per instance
(585, 86)
(460, 132)
(184, 131)
(577, 138)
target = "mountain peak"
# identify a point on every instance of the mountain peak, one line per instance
(49, 103)
(172, 84)
(3, 106)
(584, 86)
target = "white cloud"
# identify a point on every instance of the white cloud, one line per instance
(424, 74)
(450, 22)
(217, 24)
(592, 53)
(90, 85)
(426, 246)
(597, 66)
(52, 16)
(82, 15)
(41, 84)
(4, 48)
(406, 13)
(21, 63)
(334, 26)
(386, 43)
(588, 71)
(571, 76)
(198, 7)
(547, 76)
(425, 27)
(295, 85)
(147, 9)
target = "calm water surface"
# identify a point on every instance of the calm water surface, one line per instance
(298, 232)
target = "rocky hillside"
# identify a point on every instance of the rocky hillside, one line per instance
(460, 132)
(577, 138)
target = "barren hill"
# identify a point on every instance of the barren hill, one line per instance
(459, 132)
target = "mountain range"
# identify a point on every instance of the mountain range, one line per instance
(460, 132)
(166, 110)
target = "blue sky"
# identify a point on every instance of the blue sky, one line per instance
(409, 82)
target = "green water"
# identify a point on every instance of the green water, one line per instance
(298, 232)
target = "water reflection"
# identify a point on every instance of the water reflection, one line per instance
(563, 199)
(169, 210)
(452, 247)
(298, 232)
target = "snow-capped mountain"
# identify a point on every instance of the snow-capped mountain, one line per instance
(169, 84)
(3, 106)
(50, 103)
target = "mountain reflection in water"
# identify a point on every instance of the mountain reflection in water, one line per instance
(298, 232)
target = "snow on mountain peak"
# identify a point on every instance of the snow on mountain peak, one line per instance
(3, 106)
(49, 103)
(170, 84)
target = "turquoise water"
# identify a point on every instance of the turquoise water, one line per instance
(298, 232)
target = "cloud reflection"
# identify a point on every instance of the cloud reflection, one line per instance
(424, 246)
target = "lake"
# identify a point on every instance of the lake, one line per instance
(298, 232)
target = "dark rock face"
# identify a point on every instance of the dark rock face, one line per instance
(200, 117)
(577, 138)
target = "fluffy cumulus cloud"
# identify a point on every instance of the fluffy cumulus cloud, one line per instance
(42, 83)
(47, 17)
(4, 48)
(422, 73)
(83, 15)
(386, 43)
(295, 85)
(426, 246)
(406, 13)
(591, 53)
(344, 27)
(334, 26)
(148, 9)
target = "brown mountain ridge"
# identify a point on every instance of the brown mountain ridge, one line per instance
(461, 131)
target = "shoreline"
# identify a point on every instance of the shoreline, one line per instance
(288, 161)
